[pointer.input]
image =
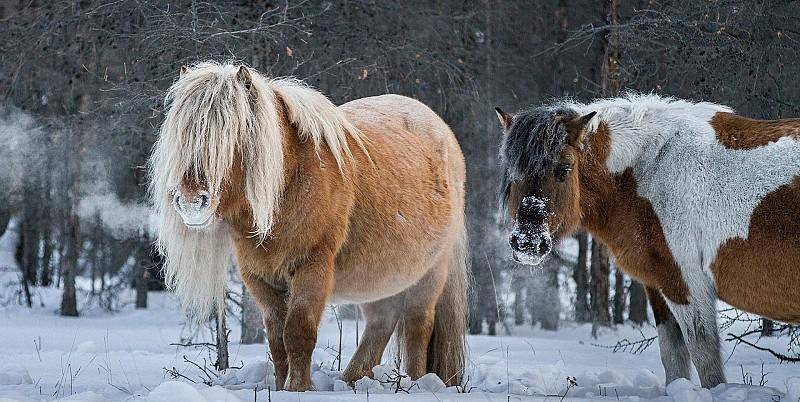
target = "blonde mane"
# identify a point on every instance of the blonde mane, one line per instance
(216, 113)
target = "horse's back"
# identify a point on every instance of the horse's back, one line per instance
(395, 116)
(739, 132)
(400, 131)
(408, 211)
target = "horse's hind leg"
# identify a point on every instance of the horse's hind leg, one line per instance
(418, 319)
(698, 322)
(381, 317)
(674, 354)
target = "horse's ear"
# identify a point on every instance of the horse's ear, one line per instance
(505, 118)
(184, 70)
(243, 75)
(584, 120)
(577, 130)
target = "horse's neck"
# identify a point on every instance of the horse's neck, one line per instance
(610, 207)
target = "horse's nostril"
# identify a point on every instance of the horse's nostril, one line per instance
(177, 202)
(547, 245)
(520, 242)
(203, 201)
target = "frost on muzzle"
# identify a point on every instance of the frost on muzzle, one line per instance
(530, 240)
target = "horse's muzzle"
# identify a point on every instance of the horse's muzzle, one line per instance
(531, 244)
(196, 210)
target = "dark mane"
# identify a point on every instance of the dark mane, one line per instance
(532, 145)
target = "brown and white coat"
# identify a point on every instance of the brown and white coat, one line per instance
(698, 204)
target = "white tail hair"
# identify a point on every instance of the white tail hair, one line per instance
(215, 114)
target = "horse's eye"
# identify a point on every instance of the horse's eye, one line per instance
(562, 171)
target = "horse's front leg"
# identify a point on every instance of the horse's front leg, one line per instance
(674, 353)
(312, 283)
(698, 322)
(272, 303)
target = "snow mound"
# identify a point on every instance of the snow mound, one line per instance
(682, 390)
(366, 384)
(793, 389)
(15, 376)
(84, 397)
(218, 394)
(259, 375)
(431, 382)
(322, 381)
(88, 347)
(175, 391)
(339, 386)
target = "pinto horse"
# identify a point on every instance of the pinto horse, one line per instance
(694, 201)
(361, 203)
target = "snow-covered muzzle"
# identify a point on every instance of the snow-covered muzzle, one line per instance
(531, 240)
(195, 208)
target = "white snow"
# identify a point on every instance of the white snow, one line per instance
(103, 357)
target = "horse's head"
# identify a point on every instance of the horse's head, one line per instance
(541, 152)
(220, 148)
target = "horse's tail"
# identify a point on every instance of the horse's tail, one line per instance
(447, 346)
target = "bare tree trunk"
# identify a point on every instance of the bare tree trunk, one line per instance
(599, 291)
(252, 322)
(563, 26)
(61, 254)
(550, 315)
(45, 271)
(530, 299)
(580, 275)
(5, 217)
(69, 265)
(142, 275)
(619, 296)
(767, 327)
(29, 241)
(611, 73)
(69, 268)
(491, 324)
(25, 255)
(46, 227)
(600, 269)
(483, 304)
(222, 341)
(94, 255)
(517, 286)
(475, 316)
(637, 311)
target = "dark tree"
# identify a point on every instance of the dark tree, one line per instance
(600, 270)
(580, 275)
(637, 310)
(252, 323)
(619, 296)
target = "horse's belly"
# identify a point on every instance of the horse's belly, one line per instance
(393, 245)
(375, 282)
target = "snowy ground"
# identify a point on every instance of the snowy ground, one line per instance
(123, 356)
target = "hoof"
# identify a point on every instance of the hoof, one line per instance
(299, 385)
(351, 376)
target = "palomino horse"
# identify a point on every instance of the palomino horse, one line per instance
(694, 201)
(362, 203)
